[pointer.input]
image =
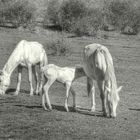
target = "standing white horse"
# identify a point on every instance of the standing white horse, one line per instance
(98, 65)
(65, 75)
(27, 54)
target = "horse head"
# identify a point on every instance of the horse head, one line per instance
(4, 82)
(113, 99)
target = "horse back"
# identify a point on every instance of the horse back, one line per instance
(30, 52)
(95, 61)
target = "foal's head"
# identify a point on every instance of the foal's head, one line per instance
(4, 82)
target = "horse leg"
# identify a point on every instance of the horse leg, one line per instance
(74, 97)
(30, 79)
(91, 90)
(68, 85)
(19, 80)
(93, 104)
(36, 80)
(103, 97)
(45, 95)
(41, 79)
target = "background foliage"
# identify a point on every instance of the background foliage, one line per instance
(74, 16)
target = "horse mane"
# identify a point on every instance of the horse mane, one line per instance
(12, 57)
(110, 72)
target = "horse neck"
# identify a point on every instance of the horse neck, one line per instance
(11, 64)
(111, 75)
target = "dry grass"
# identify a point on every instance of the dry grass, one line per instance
(22, 117)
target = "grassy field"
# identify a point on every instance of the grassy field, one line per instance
(22, 117)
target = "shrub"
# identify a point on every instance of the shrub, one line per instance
(58, 46)
(122, 14)
(88, 25)
(19, 13)
(70, 11)
(52, 13)
(74, 16)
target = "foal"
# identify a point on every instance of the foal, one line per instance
(65, 75)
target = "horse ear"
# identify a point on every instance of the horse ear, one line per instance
(119, 89)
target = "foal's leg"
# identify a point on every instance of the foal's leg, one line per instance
(103, 97)
(45, 95)
(19, 79)
(36, 79)
(68, 85)
(30, 79)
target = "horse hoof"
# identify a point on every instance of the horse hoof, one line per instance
(16, 93)
(37, 93)
(45, 108)
(92, 109)
(105, 114)
(67, 110)
(49, 110)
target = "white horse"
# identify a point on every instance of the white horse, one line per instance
(27, 54)
(65, 75)
(98, 65)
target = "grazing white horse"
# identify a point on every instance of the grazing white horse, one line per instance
(27, 54)
(98, 65)
(65, 75)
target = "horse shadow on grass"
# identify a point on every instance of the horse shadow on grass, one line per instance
(134, 109)
(10, 90)
(71, 109)
(79, 110)
(13, 90)
(86, 111)
(54, 107)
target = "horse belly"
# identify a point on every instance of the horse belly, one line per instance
(33, 54)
